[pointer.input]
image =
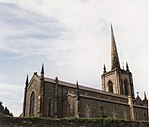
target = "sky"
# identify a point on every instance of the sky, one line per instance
(73, 40)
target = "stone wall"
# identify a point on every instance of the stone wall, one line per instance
(93, 103)
(97, 108)
(49, 94)
(6, 121)
(34, 86)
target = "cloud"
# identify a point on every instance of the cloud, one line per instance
(22, 29)
(72, 38)
(9, 97)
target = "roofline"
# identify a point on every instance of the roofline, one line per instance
(82, 87)
(105, 100)
(140, 106)
(34, 75)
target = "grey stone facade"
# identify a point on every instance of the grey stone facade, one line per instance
(53, 98)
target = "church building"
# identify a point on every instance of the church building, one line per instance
(53, 98)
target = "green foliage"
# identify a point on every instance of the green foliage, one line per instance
(97, 119)
(102, 116)
(5, 110)
(67, 122)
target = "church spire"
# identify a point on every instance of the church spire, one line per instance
(114, 54)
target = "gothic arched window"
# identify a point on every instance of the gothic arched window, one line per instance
(102, 111)
(49, 106)
(114, 113)
(145, 118)
(110, 86)
(32, 101)
(69, 110)
(135, 115)
(125, 115)
(87, 111)
(126, 87)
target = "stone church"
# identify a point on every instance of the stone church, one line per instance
(52, 98)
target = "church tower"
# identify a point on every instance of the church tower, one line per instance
(117, 80)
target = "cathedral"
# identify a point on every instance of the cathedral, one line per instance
(53, 98)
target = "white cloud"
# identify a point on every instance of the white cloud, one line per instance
(74, 37)
(9, 97)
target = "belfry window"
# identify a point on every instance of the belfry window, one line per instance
(32, 101)
(110, 86)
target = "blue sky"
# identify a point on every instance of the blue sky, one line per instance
(72, 39)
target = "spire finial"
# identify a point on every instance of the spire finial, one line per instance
(137, 94)
(127, 67)
(42, 69)
(104, 69)
(114, 54)
(56, 79)
(77, 86)
(27, 81)
(145, 98)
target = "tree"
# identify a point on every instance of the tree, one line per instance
(1, 108)
(5, 110)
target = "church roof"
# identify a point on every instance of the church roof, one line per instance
(82, 87)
